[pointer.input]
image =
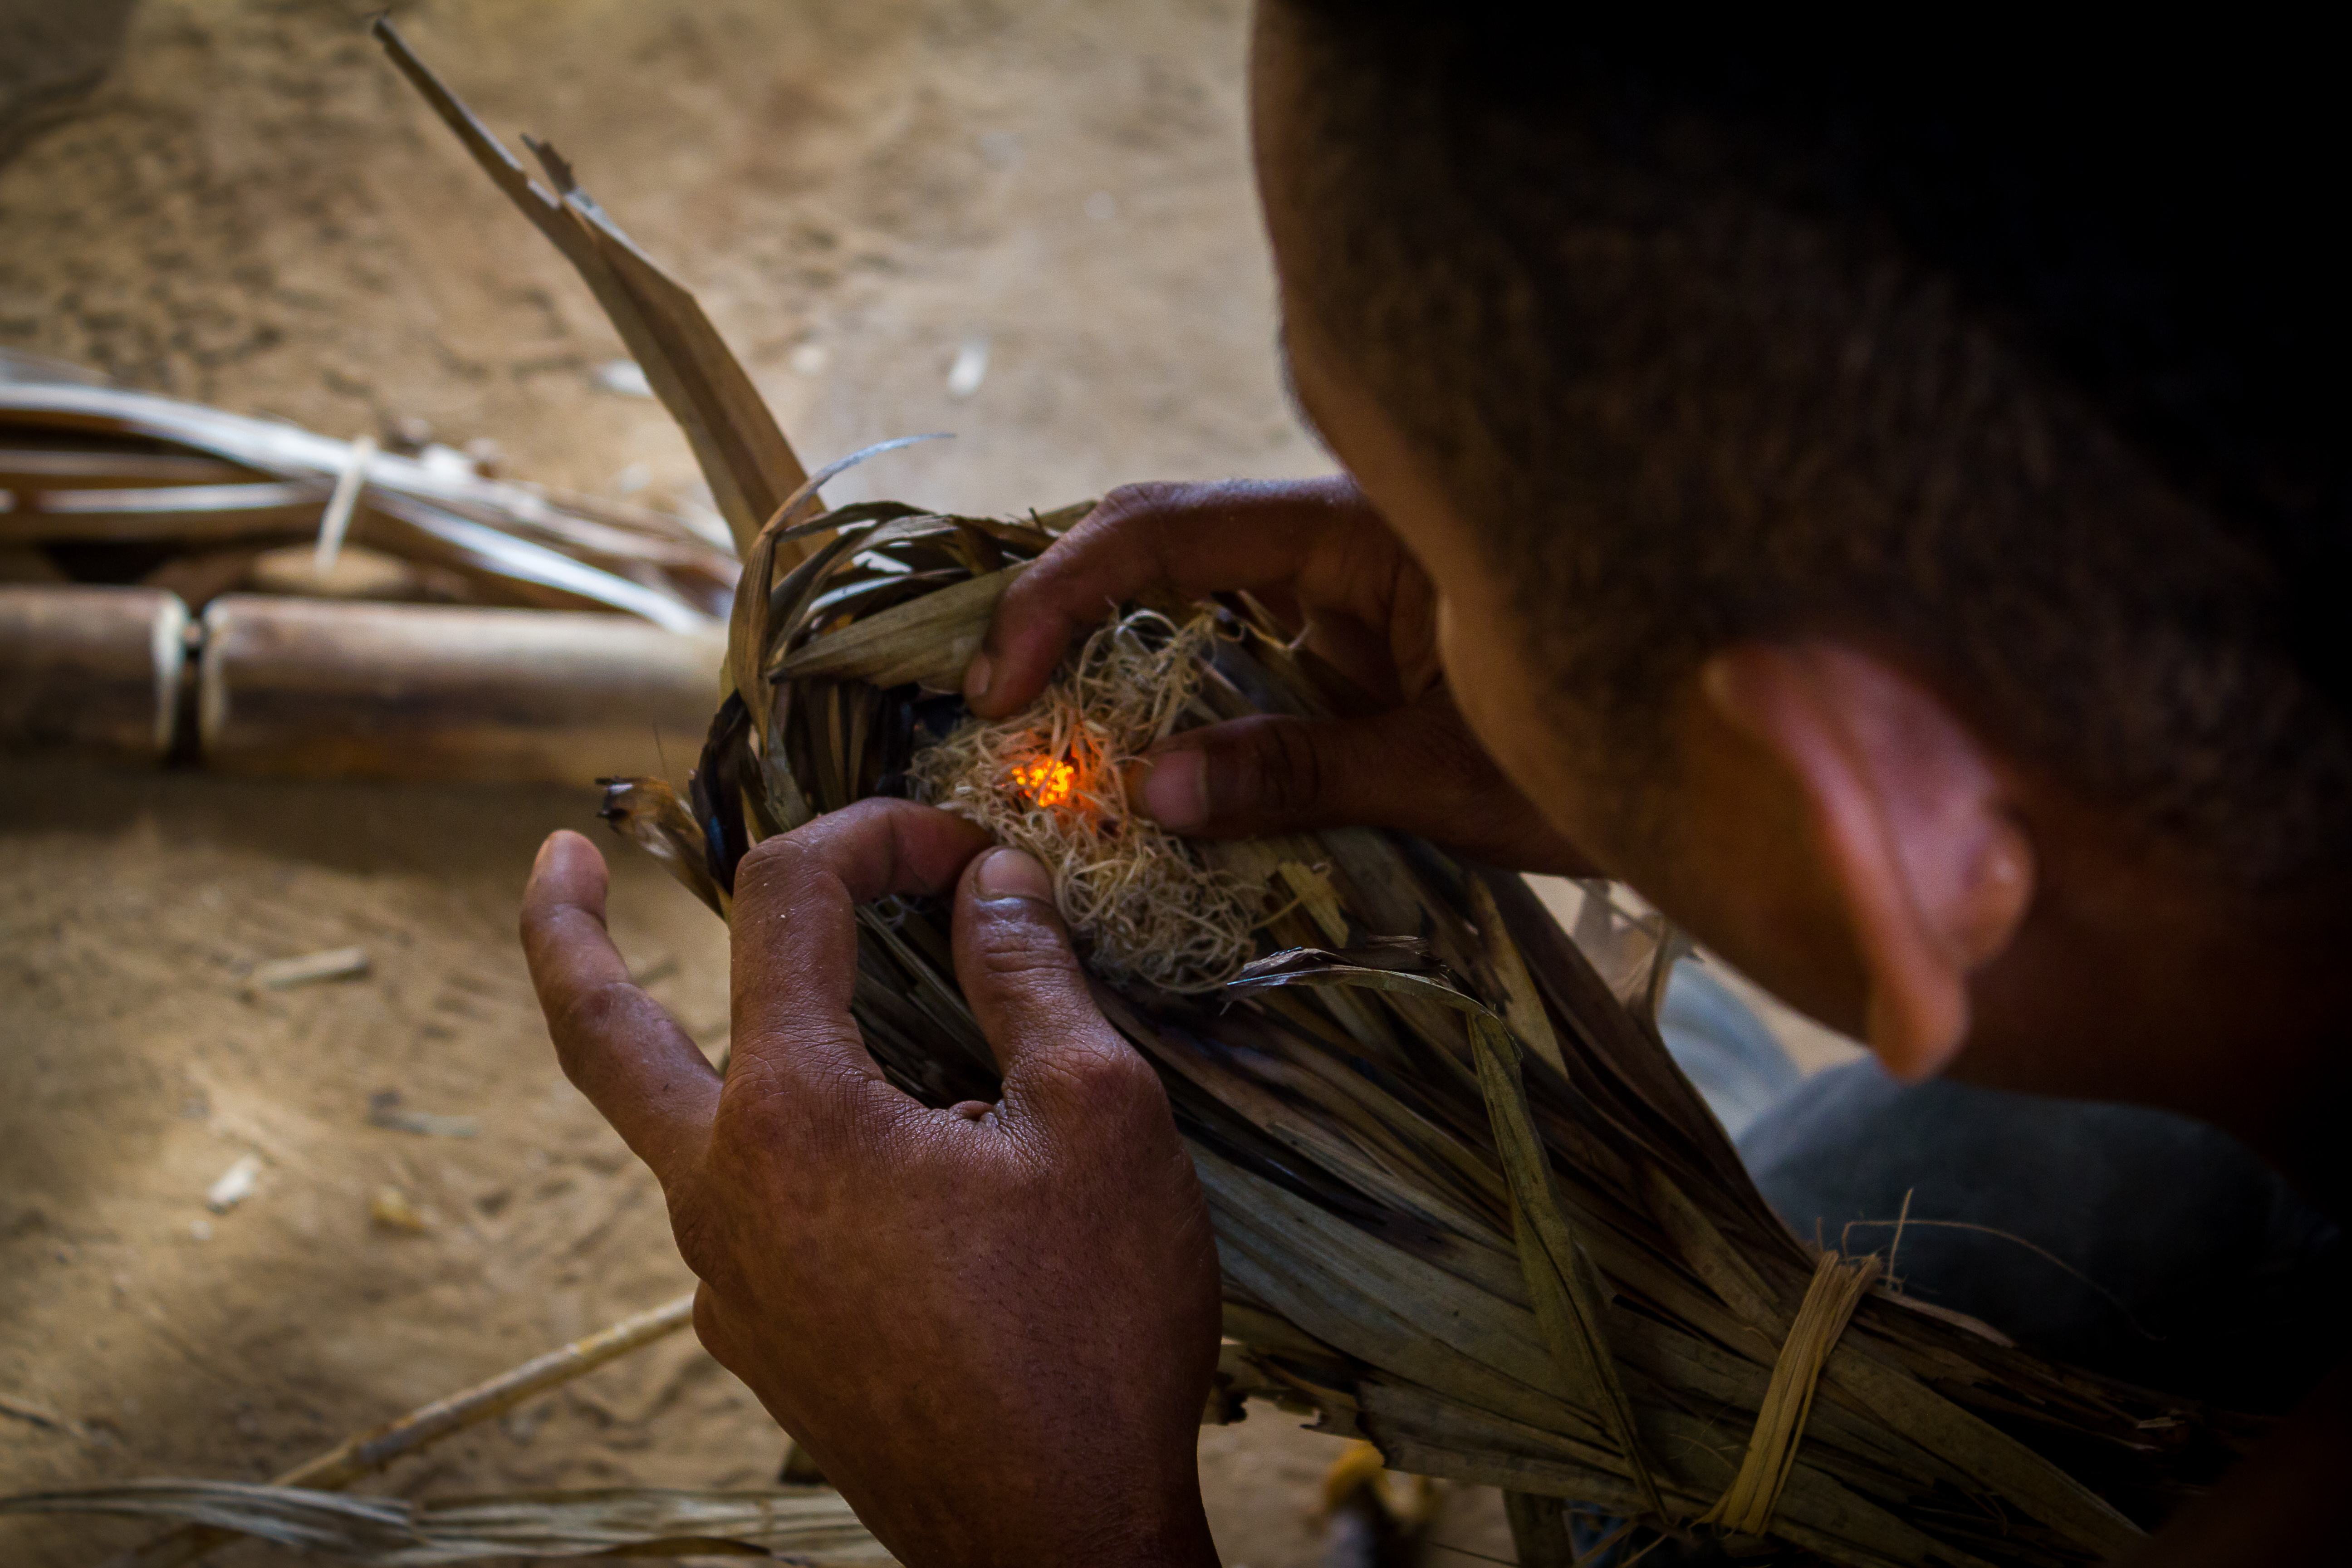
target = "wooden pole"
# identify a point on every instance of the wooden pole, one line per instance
(431, 693)
(90, 672)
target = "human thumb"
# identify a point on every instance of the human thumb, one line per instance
(1013, 960)
(1417, 769)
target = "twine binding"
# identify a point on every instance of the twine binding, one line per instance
(1837, 1289)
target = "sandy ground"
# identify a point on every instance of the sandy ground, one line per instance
(252, 211)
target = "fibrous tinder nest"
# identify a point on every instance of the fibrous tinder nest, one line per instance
(1051, 781)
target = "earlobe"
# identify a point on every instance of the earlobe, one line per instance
(1911, 824)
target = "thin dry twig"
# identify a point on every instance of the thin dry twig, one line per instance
(365, 1453)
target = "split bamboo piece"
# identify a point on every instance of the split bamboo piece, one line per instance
(90, 467)
(90, 672)
(301, 688)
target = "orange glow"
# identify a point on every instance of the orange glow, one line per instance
(1047, 782)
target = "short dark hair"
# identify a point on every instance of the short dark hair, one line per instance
(2025, 363)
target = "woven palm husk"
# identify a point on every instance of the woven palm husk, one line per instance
(1466, 1205)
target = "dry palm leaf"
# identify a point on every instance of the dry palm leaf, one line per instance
(1466, 1205)
(803, 1525)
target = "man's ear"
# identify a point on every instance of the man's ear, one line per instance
(1911, 819)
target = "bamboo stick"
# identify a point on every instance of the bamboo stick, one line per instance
(179, 513)
(519, 544)
(56, 467)
(90, 671)
(359, 1456)
(427, 692)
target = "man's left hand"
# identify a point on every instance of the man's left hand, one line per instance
(993, 1326)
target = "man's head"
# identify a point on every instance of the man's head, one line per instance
(1871, 488)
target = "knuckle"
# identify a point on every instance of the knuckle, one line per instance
(1073, 580)
(699, 1234)
(1104, 532)
(598, 1014)
(1431, 741)
(1022, 942)
(1114, 1104)
(1116, 1074)
(693, 1240)
(711, 1324)
(1133, 500)
(1428, 744)
(805, 1112)
(776, 859)
(1112, 1085)
(1283, 769)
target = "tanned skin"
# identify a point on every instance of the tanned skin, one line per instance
(994, 1326)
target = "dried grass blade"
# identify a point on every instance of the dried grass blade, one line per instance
(1379, 1304)
(648, 814)
(1630, 1050)
(752, 628)
(925, 641)
(806, 1524)
(1568, 1294)
(1523, 1007)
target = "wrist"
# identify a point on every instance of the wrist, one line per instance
(1175, 1536)
(1173, 1546)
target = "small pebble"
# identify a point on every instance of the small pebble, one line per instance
(625, 376)
(392, 1210)
(236, 1184)
(970, 368)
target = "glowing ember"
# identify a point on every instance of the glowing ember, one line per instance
(1047, 782)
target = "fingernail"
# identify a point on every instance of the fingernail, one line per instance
(975, 678)
(1010, 874)
(1176, 789)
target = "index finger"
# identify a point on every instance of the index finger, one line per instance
(795, 933)
(616, 1044)
(1193, 540)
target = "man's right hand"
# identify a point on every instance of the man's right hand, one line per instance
(1317, 554)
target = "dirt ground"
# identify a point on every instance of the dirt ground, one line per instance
(251, 210)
